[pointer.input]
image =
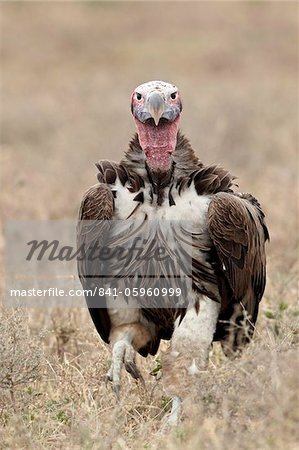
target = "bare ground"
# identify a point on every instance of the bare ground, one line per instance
(67, 73)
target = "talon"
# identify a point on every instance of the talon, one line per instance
(133, 370)
(109, 375)
(107, 378)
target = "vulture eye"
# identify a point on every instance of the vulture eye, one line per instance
(138, 96)
(173, 95)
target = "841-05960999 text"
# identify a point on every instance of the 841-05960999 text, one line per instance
(141, 292)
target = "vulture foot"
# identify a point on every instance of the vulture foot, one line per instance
(122, 353)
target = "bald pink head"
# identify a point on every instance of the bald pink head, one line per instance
(156, 107)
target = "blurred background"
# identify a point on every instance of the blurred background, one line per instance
(68, 70)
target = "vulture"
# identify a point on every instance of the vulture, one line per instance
(169, 251)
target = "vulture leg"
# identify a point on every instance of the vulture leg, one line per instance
(188, 355)
(119, 351)
(125, 342)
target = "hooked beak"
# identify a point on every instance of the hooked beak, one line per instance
(156, 107)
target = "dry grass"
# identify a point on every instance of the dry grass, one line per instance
(67, 71)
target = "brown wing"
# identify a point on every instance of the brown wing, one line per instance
(97, 207)
(238, 232)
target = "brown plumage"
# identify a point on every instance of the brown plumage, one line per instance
(238, 232)
(235, 225)
(160, 179)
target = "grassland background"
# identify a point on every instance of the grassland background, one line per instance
(67, 72)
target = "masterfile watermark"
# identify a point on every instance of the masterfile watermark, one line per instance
(55, 251)
(52, 292)
(123, 264)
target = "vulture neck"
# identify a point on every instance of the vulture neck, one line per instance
(185, 168)
(184, 162)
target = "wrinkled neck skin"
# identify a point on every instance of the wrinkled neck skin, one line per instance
(158, 143)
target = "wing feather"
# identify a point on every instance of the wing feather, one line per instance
(96, 210)
(238, 231)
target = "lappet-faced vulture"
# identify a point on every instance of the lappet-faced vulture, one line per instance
(160, 199)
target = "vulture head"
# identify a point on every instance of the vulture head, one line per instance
(156, 107)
